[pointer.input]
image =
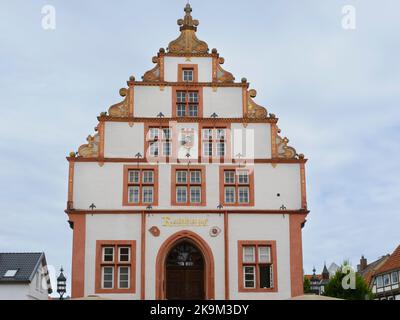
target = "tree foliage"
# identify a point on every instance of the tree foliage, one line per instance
(336, 286)
(307, 285)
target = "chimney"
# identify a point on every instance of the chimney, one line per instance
(363, 264)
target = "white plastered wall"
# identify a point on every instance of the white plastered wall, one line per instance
(125, 141)
(103, 186)
(122, 140)
(260, 228)
(225, 102)
(252, 142)
(257, 227)
(110, 227)
(171, 68)
(149, 101)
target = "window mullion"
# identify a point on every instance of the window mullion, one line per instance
(236, 192)
(140, 187)
(115, 275)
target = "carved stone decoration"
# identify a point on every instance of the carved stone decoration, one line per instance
(223, 75)
(155, 73)
(284, 151)
(188, 43)
(121, 109)
(91, 149)
(155, 231)
(255, 111)
(215, 232)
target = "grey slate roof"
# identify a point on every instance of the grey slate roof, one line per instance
(26, 263)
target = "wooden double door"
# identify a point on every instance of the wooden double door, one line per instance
(185, 276)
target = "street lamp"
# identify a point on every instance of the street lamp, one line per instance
(61, 284)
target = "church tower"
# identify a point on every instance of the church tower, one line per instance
(187, 190)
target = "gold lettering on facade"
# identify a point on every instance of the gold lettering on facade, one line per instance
(184, 222)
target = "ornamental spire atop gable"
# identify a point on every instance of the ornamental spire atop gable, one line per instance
(188, 43)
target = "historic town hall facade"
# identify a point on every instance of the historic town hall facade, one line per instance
(187, 189)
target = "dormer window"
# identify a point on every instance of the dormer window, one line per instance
(188, 75)
(10, 273)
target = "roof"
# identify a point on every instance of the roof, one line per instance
(392, 263)
(333, 268)
(26, 263)
(373, 266)
(310, 276)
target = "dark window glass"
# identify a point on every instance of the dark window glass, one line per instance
(265, 276)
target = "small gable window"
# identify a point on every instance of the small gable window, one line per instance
(188, 75)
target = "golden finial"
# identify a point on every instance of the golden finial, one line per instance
(188, 43)
(188, 23)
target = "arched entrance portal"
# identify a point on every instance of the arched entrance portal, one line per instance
(185, 272)
(185, 268)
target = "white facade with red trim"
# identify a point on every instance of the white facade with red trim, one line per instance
(268, 207)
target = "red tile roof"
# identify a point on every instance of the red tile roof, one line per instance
(392, 263)
(309, 276)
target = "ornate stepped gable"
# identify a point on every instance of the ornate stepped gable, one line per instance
(187, 44)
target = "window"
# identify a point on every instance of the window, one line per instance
(195, 194)
(108, 254)
(257, 266)
(386, 280)
(10, 273)
(229, 177)
(115, 266)
(214, 141)
(188, 186)
(236, 187)
(230, 195)
(195, 176)
(159, 142)
(123, 277)
(124, 254)
(108, 278)
(249, 277)
(244, 195)
(148, 195)
(181, 194)
(395, 277)
(379, 282)
(188, 75)
(187, 103)
(141, 186)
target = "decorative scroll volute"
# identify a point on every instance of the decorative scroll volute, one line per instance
(121, 109)
(255, 111)
(155, 73)
(284, 151)
(224, 76)
(91, 149)
(188, 43)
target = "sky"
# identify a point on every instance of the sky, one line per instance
(336, 92)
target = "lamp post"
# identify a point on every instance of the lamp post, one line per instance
(61, 284)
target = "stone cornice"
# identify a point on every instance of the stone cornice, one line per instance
(144, 161)
(188, 84)
(186, 211)
(104, 118)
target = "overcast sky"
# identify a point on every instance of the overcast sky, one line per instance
(336, 92)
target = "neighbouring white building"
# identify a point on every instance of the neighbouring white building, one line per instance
(187, 190)
(24, 276)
